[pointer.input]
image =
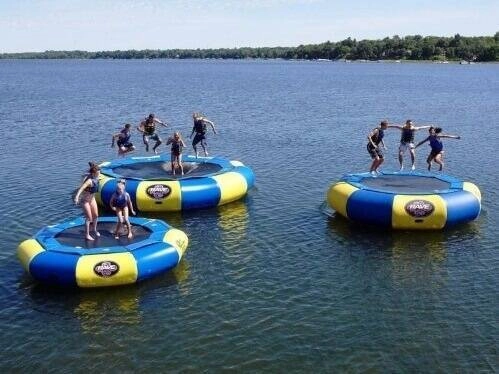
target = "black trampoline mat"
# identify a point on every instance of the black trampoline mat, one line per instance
(161, 169)
(75, 236)
(406, 184)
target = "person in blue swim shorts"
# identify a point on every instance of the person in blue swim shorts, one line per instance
(148, 129)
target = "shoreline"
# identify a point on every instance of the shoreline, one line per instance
(440, 62)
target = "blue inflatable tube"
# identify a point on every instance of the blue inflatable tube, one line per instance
(405, 200)
(59, 255)
(208, 182)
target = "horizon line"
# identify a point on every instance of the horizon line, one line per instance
(218, 48)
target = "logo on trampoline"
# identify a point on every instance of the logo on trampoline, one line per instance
(158, 191)
(419, 208)
(106, 269)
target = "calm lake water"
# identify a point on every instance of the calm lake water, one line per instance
(269, 283)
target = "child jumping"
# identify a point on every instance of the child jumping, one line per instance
(436, 153)
(176, 152)
(122, 139)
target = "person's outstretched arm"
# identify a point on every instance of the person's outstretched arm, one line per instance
(422, 127)
(449, 136)
(422, 141)
(211, 124)
(157, 120)
(395, 127)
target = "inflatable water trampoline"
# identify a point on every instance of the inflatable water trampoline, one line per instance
(207, 182)
(405, 200)
(60, 255)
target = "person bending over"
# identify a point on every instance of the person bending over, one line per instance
(121, 203)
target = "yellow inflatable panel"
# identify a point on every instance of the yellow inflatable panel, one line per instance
(178, 239)
(419, 212)
(101, 270)
(27, 250)
(337, 196)
(103, 179)
(470, 187)
(167, 196)
(232, 186)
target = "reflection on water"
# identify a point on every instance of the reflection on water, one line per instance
(174, 219)
(399, 243)
(233, 220)
(98, 307)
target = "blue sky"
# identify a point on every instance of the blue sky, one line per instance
(91, 25)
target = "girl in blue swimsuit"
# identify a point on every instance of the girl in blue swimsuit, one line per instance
(121, 203)
(436, 153)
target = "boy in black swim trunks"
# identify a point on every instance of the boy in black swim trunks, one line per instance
(375, 144)
(199, 128)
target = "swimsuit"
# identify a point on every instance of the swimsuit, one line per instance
(407, 136)
(176, 147)
(120, 200)
(436, 146)
(149, 127)
(95, 185)
(200, 129)
(124, 139)
(377, 138)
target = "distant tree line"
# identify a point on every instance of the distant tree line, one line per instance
(415, 47)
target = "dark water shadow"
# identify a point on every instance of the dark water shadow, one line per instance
(435, 243)
(93, 307)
